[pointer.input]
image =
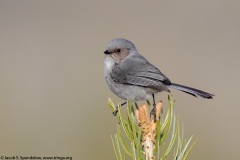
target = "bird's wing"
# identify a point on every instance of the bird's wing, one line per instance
(138, 71)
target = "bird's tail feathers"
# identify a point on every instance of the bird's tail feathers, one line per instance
(192, 91)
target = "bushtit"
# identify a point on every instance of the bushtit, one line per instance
(130, 76)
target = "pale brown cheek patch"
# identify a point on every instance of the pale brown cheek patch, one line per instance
(117, 57)
(124, 54)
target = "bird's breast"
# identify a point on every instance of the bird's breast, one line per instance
(108, 64)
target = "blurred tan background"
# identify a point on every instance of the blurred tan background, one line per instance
(52, 91)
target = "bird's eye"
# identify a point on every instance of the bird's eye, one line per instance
(118, 50)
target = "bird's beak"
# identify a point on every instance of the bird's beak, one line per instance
(106, 52)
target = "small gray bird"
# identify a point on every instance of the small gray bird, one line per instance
(130, 76)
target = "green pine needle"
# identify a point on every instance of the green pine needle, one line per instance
(127, 142)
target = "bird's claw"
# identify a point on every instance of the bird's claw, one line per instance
(115, 111)
(153, 113)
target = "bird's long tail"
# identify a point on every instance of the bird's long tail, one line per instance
(192, 91)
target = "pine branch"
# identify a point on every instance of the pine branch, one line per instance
(141, 138)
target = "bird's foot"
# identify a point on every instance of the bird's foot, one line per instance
(153, 113)
(115, 111)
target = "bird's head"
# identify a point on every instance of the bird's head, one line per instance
(119, 49)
